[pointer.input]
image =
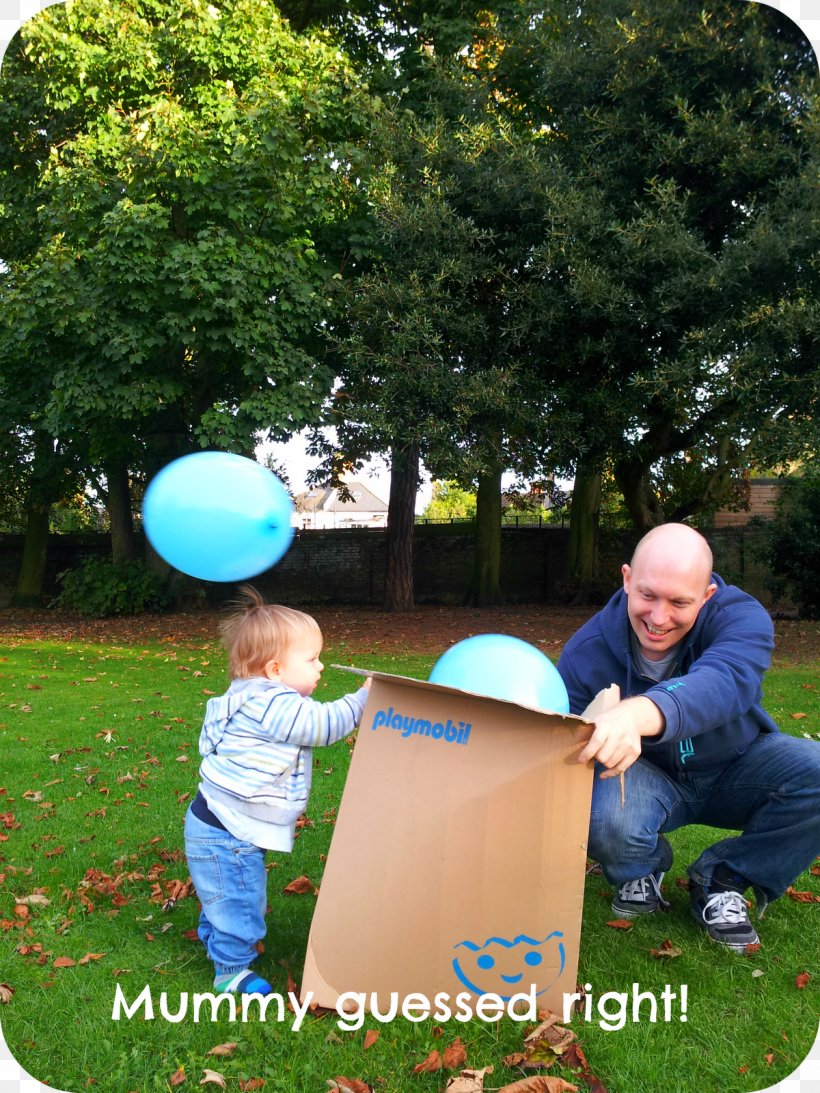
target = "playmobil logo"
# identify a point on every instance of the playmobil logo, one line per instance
(450, 732)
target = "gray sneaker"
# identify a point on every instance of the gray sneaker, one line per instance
(725, 917)
(640, 897)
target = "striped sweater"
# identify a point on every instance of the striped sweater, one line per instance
(256, 745)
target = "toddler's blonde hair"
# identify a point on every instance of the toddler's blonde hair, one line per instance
(256, 632)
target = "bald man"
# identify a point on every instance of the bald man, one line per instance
(691, 739)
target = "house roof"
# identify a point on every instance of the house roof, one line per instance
(328, 500)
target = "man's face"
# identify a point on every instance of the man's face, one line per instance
(664, 596)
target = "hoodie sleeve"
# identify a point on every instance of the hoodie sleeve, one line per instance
(726, 679)
(304, 722)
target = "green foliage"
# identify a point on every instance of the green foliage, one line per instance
(450, 501)
(99, 589)
(791, 544)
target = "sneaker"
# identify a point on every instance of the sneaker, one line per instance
(725, 917)
(640, 897)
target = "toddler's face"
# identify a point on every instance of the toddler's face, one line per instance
(300, 667)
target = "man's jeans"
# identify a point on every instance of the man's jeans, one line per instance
(231, 882)
(771, 794)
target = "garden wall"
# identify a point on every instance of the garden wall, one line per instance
(347, 566)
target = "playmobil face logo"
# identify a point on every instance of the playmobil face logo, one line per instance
(450, 732)
(499, 965)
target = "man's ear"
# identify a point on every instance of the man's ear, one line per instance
(626, 571)
(710, 591)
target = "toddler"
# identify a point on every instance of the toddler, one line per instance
(255, 775)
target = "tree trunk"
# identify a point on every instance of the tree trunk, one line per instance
(30, 579)
(118, 504)
(582, 563)
(401, 509)
(485, 585)
(641, 501)
(42, 494)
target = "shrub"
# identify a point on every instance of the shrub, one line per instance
(98, 588)
(791, 545)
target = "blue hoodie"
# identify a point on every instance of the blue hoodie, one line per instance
(712, 702)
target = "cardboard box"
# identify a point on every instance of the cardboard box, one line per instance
(458, 859)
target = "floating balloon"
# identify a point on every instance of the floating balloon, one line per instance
(503, 667)
(217, 516)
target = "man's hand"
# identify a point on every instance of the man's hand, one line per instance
(615, 742)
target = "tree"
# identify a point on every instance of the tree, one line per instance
(434, 350)
(791, 543)
(680, 275)
(179, 195)
(450, 502)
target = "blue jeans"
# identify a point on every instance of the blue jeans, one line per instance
(770, 794)
(231, 882)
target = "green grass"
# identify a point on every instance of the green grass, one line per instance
(99, 759)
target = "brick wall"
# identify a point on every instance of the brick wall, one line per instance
(347, 566)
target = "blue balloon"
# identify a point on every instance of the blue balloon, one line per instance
(503, 667)
(217, 516)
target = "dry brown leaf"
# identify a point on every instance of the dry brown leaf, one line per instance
(665, 949)
(89, 957)
(178, 1077)
(212, 1077)
(799, 716)
(802, 897)
(539, 1083)
(36, 899)
(370, 1037)
(430, 1065)
(298, 887)
(6, 992)
(251, 1084)
(454, 1055)
(340, 1084)
(620, 924)
(802, 980)
(64, 962)
(468, 1081)
(550, 1034)
(222, 1049)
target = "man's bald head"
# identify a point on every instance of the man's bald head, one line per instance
(676, 546)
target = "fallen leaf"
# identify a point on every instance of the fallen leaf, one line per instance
(341, 1084)
(251, 1084)
(6, 992)
(178, 1077)
(89, 957)
(430, 1065)
(64, 962)
(298, 887)
(37, 899)
(666, 949)
(539, 1083)
(802, 981)
(620, 924)
(574, 1058)
(370, 1037)
(454, 1055)
(802, 897)
(212, 1077)
(222, 1049)
(799, 716)
(468, 1081)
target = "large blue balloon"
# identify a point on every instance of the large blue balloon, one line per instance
(503, 667)
(217, 516)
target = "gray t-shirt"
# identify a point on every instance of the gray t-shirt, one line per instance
(654, 669)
